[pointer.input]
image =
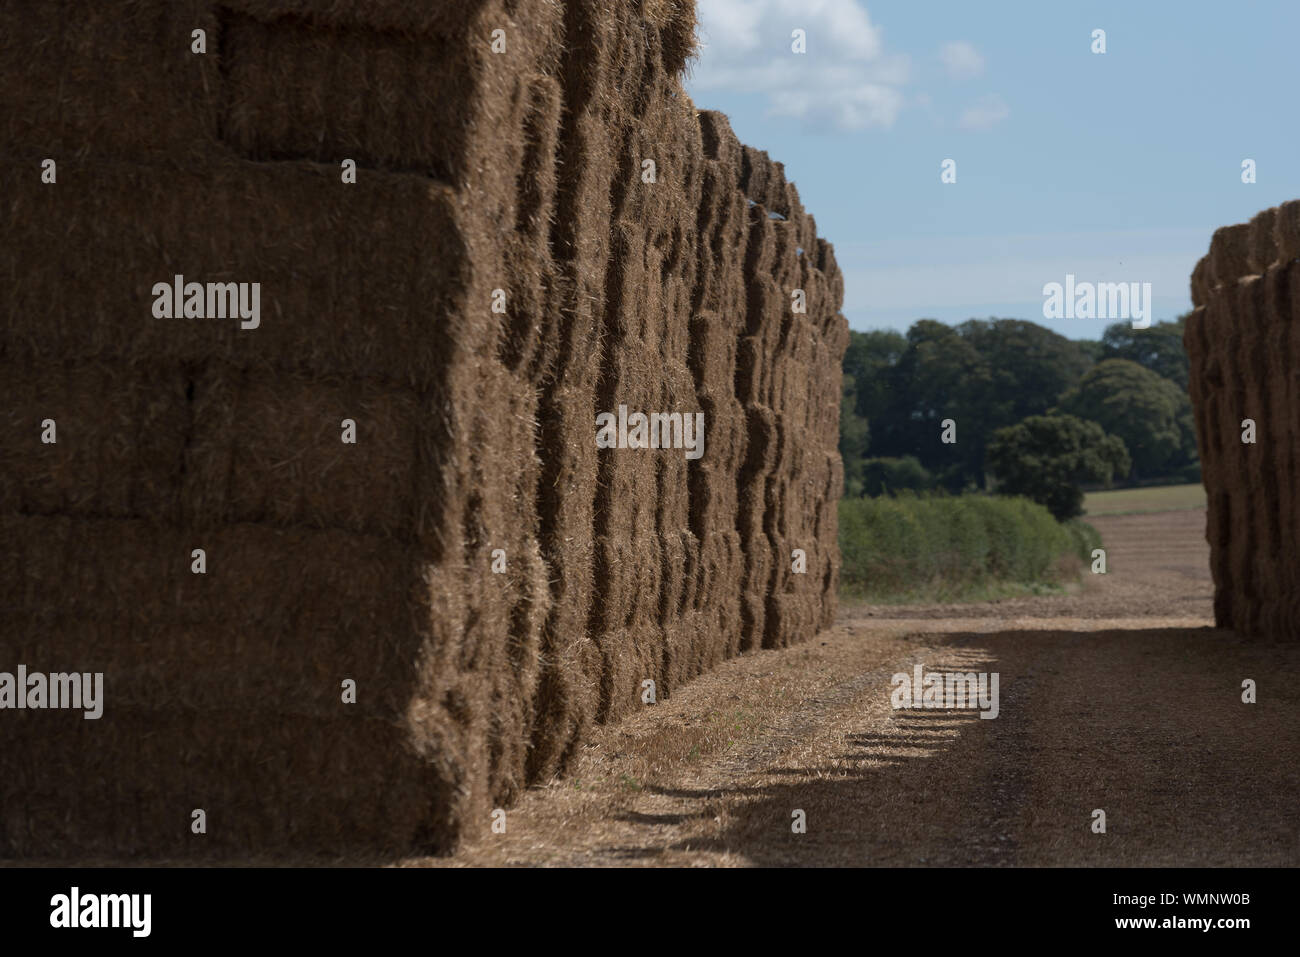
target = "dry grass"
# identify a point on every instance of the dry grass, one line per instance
(1126, 501)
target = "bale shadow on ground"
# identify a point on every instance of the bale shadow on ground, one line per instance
(1148, 726)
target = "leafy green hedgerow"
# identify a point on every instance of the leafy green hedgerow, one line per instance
(946, 547)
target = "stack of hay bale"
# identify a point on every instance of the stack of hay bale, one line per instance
(1243, 342)
(490, 581)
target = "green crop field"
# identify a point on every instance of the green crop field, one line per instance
(1162, 498)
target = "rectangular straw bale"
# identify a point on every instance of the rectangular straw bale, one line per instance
(790, 617)
(569, 679)
(630, 655)
(388, 87)
(758, 551)
(720, 226)
(269, 449)
(281, 619)
(492, 566)
(324, 80)
(1259, 341)
(116, 79)
(286, 581)
(526, 272)
(119, 438)
(459, 678)
(690, 649)
(678, 544)
(718, 595)
(385, 99)
(400, 17)
(295, 785)
(627, 490)
(1287, 286)
(229, 663)
(345, 282)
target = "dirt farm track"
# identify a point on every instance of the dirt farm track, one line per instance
(1120, 696)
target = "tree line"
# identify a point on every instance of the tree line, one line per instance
(1035, 413)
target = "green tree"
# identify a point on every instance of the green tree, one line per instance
(882, 476)
(869, 361)
(1047, 457)
(1092, 348)
(1030, 366)
(983, 374)
(868, 372)
(939, 376)
(1158, 348)
(854, 438)
(1147, 411)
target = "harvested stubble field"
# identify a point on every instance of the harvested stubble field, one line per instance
(1129, 501)
(1120, 696)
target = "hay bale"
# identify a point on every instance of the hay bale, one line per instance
(401, 18)
(569, 680)
(345, 287)
(138, 574)
(1261, 488)
(1200, 281)
(1240, 342)
(271, 450)
(392, 101)
(296, 785)
(74, 84)
(1262, 245)
(279, 620)
(385, 83)
(119, 439)
(1230, 254)
(1286, 231)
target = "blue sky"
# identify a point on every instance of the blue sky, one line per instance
(1115, 167)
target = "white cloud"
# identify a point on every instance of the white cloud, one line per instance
(985, 114)
(845, 80)
(961, 60)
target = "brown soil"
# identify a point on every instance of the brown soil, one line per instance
(1119, 696)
